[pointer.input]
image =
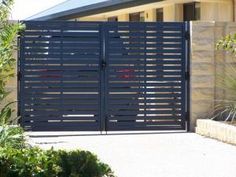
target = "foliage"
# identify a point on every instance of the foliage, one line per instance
(5, 8)
(29, 162)
(226, 109)
(34, 162)
(228, 43)
(11, 137)
(8, 35)
(6, 115)
(82, 164)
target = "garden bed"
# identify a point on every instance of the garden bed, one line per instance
(218, 130)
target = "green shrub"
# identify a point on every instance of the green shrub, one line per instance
(34, 162)
(29, 162)
(228, 43)
(11, 137)
(225, 109)
(81, 164)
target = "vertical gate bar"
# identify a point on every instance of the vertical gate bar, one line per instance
(183, 76)
(187, 46)
(106, 74)
(102, 77)
(145, 75)
(18, 79)
(61, 78)
(21, 81)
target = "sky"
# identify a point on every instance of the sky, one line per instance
(26, 8)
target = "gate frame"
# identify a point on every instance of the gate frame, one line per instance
(103, 75)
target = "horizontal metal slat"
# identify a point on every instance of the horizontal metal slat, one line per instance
(61, 96)
(136, 112)
(61, 112)
(134, 78)
(146, 56)
(154, 45)
(143, 106)
(143, 34)
(158, 62)
(60, 78)
(64, 68)
(135, 40)
(63, 126)
(158, 90)
(62, 106)
(61, 49)
(62, 85)
(58, 101)
(62, 61)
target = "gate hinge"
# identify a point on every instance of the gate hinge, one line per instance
(187, 75)
(19, 76)
(187, 35)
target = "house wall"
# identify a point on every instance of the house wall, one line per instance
(123, 17)
(93, 19)
(212, 11)
(150, 15)
(173, 12)
(207, 66)
(179, 12)
(169, 13)
(234, 12)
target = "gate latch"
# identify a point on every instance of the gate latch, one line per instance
(104, 64)
(19, 75)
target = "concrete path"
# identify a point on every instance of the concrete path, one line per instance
(153, 155)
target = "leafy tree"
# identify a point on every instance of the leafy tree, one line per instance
(10, 136)
(8, 36)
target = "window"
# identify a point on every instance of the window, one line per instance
(142, 17)
(159, 15)
(197, 11)
(137, 17)
(112, 19)
(192, 11)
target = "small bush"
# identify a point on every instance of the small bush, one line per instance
(11, 137)
(81, 164)
(34, 162)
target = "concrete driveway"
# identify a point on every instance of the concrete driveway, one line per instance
(152, 155)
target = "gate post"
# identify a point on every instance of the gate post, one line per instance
(187, 75)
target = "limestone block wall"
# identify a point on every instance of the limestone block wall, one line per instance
(206, 65)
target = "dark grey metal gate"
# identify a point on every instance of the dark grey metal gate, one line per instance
(103, 76)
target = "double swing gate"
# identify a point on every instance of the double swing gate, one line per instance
(103, 76)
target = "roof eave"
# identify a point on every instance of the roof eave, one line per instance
(94, 9)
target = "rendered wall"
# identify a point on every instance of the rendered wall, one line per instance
(213, 11)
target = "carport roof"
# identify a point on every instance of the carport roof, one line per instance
(79, 8)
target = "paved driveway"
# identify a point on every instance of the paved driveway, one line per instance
(154, 155)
